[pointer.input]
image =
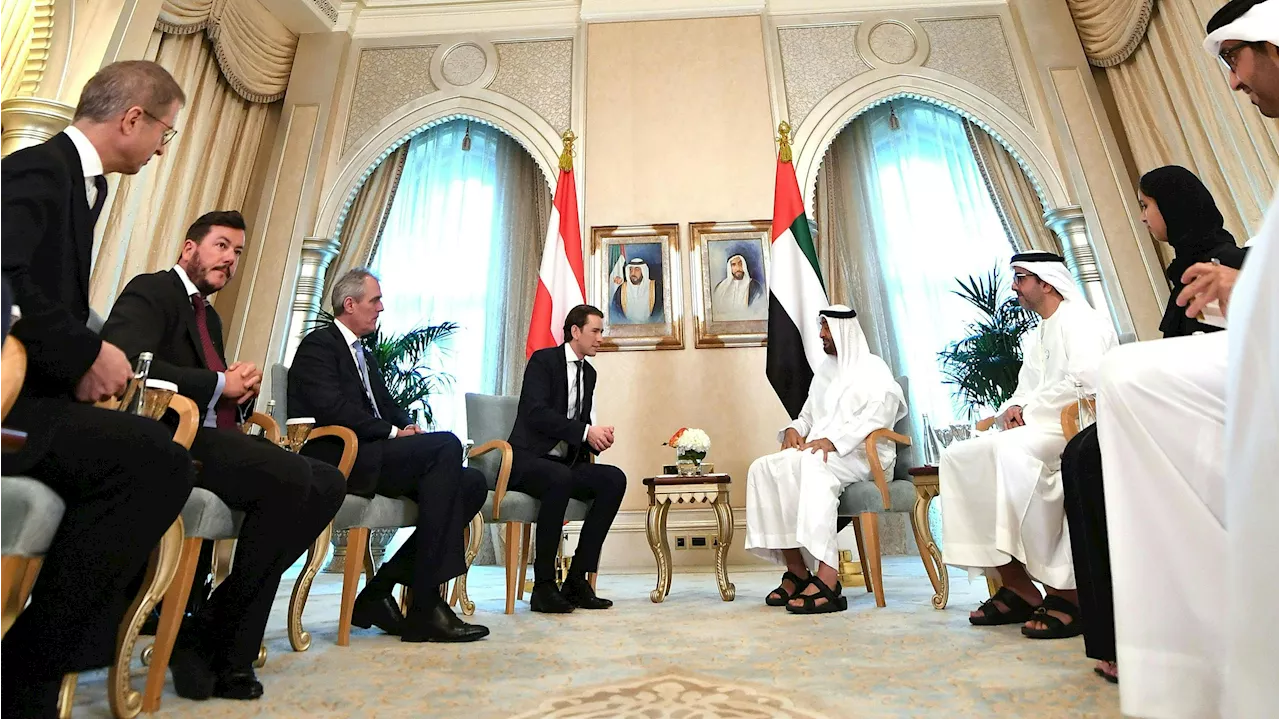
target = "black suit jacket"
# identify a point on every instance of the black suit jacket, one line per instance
(324, 382)
(48, 237)
(542, 419)
(47, 233)
(154, 314)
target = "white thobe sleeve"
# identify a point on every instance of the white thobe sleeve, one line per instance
(1083, 343)
(802, 424)
(1028, 376)
(855, 423)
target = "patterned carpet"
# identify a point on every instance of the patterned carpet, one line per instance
(692, 657)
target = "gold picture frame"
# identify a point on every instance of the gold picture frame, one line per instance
(651, 315)
(730, 311)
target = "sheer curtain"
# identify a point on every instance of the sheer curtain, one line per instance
(457, 230)
(913, 214)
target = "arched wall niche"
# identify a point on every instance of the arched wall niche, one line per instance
(846, 103)
(518, 122)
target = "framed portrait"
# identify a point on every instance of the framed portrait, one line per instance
(637, 272)
(730, 283)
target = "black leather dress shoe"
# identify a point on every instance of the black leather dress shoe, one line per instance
(578, 592)
(546, 598)
(380, 610)
(241, 684)
(192, 676)
(438, 623)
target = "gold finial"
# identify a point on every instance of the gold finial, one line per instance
(784, 141)
(566, 157)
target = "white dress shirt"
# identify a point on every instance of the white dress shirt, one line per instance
(90, 161)
(571, 366)
(211, 412)
(350, 338)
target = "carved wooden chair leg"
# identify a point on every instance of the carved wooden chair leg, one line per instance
(224, 552)
(19, 577)
(67, 695)
(171, 612)
(870, 522)
(474, 534)
(261, 661)
(513, 558)
(357, 547)
(161, 568)
(862, 553)
(299, 638)
(526, 546)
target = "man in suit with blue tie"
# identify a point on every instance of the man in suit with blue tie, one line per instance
(335, 380)
(122, 477)
(554, 439)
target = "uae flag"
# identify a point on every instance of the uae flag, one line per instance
(796, 292)
(561, 283)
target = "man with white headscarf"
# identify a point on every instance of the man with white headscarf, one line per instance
(1188, 427)
(737, 296)
(792, 495)
(1002, 492)
(638, 299)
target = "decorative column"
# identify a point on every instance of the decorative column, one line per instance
(29, 121)
(1073, 236)
(317, 253)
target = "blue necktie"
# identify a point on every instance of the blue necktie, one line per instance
(364, 377)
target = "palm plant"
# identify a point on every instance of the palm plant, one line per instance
(984, 365)
(405, 363)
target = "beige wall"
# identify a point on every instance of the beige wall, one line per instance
(680, 130)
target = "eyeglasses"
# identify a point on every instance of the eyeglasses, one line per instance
(1019, 276)
(169, 132)
(1230, 55)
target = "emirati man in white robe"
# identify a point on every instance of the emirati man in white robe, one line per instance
(793, 494)
(1189, 426)
(1002, 505)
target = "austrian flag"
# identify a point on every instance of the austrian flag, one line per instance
(561, 282)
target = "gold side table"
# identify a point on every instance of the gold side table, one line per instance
(665, 490)
(926, 481)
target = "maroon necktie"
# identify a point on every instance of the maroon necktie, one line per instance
(225, 409)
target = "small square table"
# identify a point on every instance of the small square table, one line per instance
(668, 489)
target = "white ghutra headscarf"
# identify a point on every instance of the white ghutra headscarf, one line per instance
(1260, 23)
(860, 376)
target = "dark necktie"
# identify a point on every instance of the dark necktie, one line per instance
(577, 401)
(100, 183)
(225, 409)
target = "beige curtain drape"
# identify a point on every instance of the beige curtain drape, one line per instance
(853, 277)
(1176, 108)
(362, 228)
(206, 167)
(16, 19)
(525, 210)
(1015, 198)
(253, 48)
(1110, 30)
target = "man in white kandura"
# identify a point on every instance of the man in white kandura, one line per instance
(737, 296)
(638, 299)
(1002, 492)
(792, 495)
(1189, 427)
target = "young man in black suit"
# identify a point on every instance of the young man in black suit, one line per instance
(287, 499)
(336, 381)
(553, 438)
(121, 476)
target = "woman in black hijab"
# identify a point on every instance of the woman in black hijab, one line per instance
(1178, 209)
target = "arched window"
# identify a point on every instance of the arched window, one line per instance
(460, 239)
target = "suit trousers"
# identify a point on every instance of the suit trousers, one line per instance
(554, 483)
(287, 500)
(1090, 550)
(124, 481)
(427, 468)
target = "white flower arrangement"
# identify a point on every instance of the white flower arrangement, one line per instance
(690, 440)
